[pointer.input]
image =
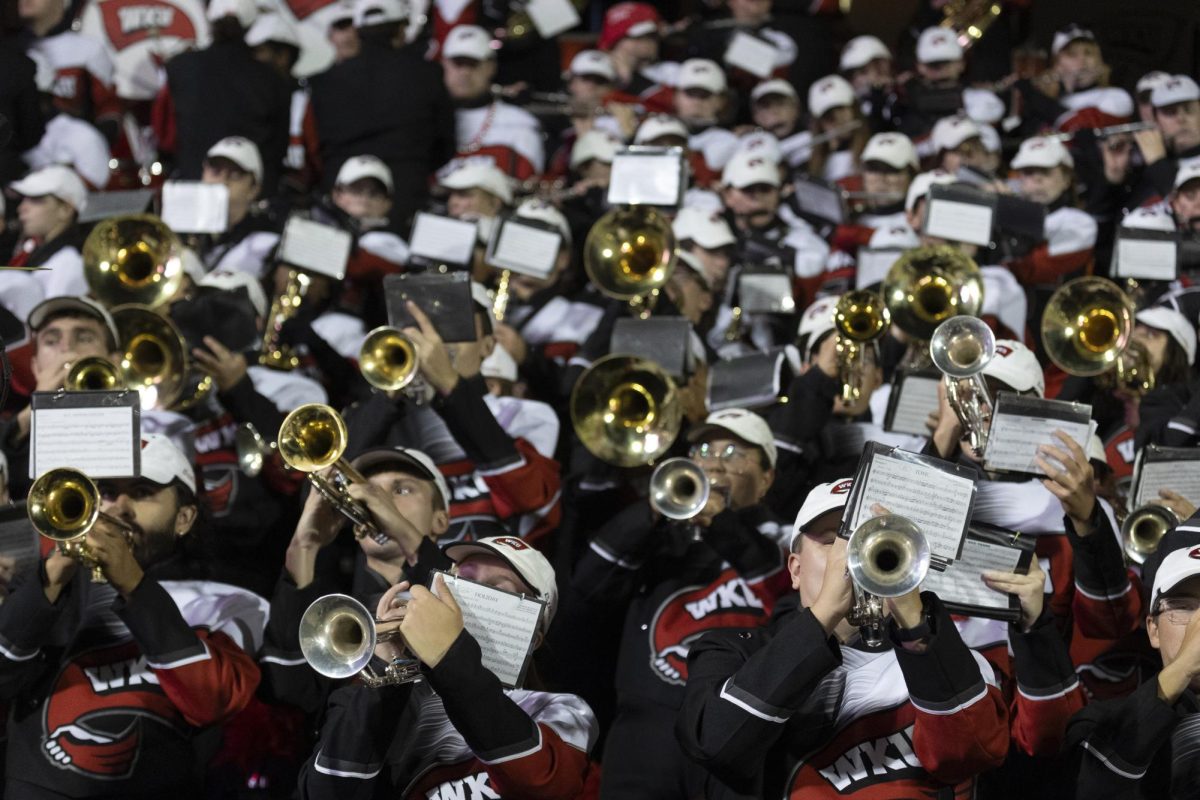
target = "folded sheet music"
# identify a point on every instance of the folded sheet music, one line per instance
(1020, 425)
(961, 585)
(914, 397)
(1173, 468)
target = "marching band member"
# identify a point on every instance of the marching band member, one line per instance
(250, 234)
(51, 200)
(832, 107)
(630, 36)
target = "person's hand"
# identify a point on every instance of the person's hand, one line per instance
(1029, 588)
(947, 430)
(431, 623)
(1073, 483)
(908, 610)
(837, 594)
(693, 396)
(387, 519)
(1152, 145)
(52, 370)
(1176, 677)
(319, 522)
(60, 571)
(1182, 507)
(718, 501)
(432, 355)
(626, 116)
(226, 367)
(111, 550)
(510, 340)
(389, 614)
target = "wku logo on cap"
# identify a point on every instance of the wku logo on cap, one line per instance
(512, 541)
(939, 39)
(1194, 553)
(842, 486)
(1003, 350)
(1038, 144)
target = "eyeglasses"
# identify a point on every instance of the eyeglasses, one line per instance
(1178, 611)
(730, 455)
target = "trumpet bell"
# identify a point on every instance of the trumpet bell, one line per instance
(679, 488)
(94, 373)
(962, 346)
(134, 258)
(887, 556)
(626, 410)
(861, 316)
(630, 252)
(388, 359)
(312, 437)
(1087, 325)
(928, 285)
(154, 358)
(337, 636)
(63, 504)
(1144, 528)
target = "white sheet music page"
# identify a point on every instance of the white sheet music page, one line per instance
(959, 222)
(873, 266)
(821, 201)
(938, 502)
(443, 239)
(552, 17)
(1146, 259)
(752, 54)
(195, 207)
(646, 178)
(525, 249)
(1014, 438)
(501, 622)
(1182, 477)
(918, 399)
(318, 248)
(97, 441)
(961, 581)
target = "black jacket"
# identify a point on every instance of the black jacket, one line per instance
(21, 120)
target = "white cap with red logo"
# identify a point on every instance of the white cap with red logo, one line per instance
(54, 181)
(163, 462)
(706, 228)
(701, 73)
(822, 499)
(831, 91)
(1176, 568)
(776, 86)
(242, 152)
(921, 184)
(527, 562)
(595, 145)
(938, 44)
(356, 168)
(816, 321)
(862, 50)
(1016, 366)
(748, 169)
(1071, 33)
(1188, 171)
(592, 62)
(1176, 89)
(656, 126)
(410, 457)
(1042, 151)
(468, 41)
(894, 149)
(745, 425)
(1161, 318)
(476, 174)
(950, 132)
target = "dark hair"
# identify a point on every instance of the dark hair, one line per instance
(1175, 368)
(227, 29)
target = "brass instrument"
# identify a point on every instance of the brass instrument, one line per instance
(388, 359)
(679, 489)
(733, 331)
(252, 450)
(312, 438)
(886, 556)
(1132, 372)
(93, 373)
(1144, 528)
(64, 505)
(1104, 133)
(630, 254)
(860, 317)
(961, 347)
(500, 298)
(1086, 326)
(626, 410)
(970, 19)
(154, 355)
(134, 258)
(285, 305)
(928, 285)
(338, 638)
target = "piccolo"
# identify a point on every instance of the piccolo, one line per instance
(1102, 133)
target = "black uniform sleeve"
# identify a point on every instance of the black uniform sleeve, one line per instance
(1098, 564)
(475, 427)
(27, 620)
(287, 677)
(368, 423)
(1169, 416)
(17, 453)
(429, 558)
(247, 405)
(796, 425)
(608, 570)
(736, 536)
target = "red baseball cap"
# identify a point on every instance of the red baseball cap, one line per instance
(628, 19)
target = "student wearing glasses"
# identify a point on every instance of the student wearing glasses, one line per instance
(721, 569)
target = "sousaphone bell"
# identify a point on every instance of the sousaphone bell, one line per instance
(134, 258)
(626, 410)
(388, 359)
(1087, 325)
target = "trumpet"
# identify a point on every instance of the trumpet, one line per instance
(388, 359)
(961, 347)
(275, 354)
(860, 317)
(93, 373)
(133, 258)
(64, 505)
(928, 285)
(313, 437)
(629, 254)
(626, 410)
(679, 489)
(338, 638)
(969, 19)
(886, 556)
(1144, 527)
(1087, 325)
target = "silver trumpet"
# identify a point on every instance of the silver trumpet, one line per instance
(679, 489)
(961, 347)
(887, 556)
(1144, 528)
(338, 638)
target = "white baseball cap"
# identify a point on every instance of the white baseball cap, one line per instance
(1171, 321)
(1175, 568)
(240, 151)
(468, 41)
(706, 228)
(922, 182)
(163, 462)
(773, 86)
(894, 149)
(245, 10)
(701, 73)
(1190, 171)
(822, 499)
(692, 264)
(480, 175)
(860, 51)
(894, 237)
(524, 559)
(540, 210)
(831, 91)
(1152, 80)
(1177, 89)
(379, 12)
(356, 168)
(989, 137)
(595, 144)
(272, 28)
(816, 321)
(950, 132)
(230, 280)
(745, 425)
(656, 126)
(54, 181)
(592, 62)
(80, 305)
(1016, 366)
(1071, 33)
(499, 365)
(761, 143)
(747, 169)
(1042, 151)
(410, 457)
(938, 44)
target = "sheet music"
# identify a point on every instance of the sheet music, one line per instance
(1178, 476)
(501, 622)
(765, 293)
(961, 581)
(1146, 259)
(97, 441)
(102, 205)
(1014, 438)
(194, 207)
(552, 17)
(443, 239)
(646, 178)
(938, 502)
(525, 249)
(918, 399)
(318, 248)
(821, 201)
(958, 221)
(752, 54)
(873, 266)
